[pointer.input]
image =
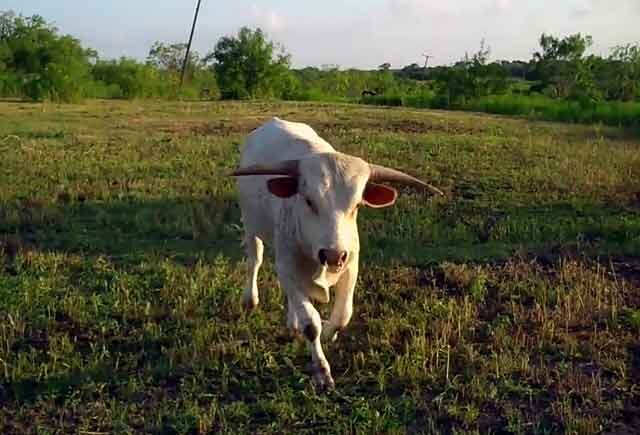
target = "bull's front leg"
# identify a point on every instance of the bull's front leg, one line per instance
(255, 252)
(343, 305)
(293, 324)
(311, 325)
(307, 319)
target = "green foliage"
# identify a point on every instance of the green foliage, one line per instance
(330, 83)
(248, 65)
(563, 69)
(632, 318)
(616, 113)
(159, 77)
(472, 78)
(128, 78)
(199, 80)
(576, 83)
(623, 74)
(37, 62)
(170, 57)
(570, 48)
(10, 84)
(606, 112)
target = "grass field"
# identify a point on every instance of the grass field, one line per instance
(510, 306)
(534, 107)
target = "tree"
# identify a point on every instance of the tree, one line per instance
(568, 48)
(248, 65)
(9, 83)
(625, 68)
(562, 67)
(7, 24)
(169, 57)
(43, 63)
(471, 77)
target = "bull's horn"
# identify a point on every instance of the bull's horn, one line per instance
(286, 167)
(381, 173)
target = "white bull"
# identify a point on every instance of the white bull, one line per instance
(309, 214)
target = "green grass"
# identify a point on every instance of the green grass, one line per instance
(616, 113)
(613, 113)
(511, 306)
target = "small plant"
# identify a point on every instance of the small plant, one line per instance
(632, 318)
(468, 279)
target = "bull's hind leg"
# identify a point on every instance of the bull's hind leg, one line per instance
(255, 252)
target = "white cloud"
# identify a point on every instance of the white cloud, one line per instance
(268, 19)
(581, 8)
(401, 30)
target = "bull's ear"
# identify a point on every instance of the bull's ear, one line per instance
(378, 195)
(283, 187)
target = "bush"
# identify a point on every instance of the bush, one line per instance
(128, 78)
(539, 107)
(422, 100)
(10, 84)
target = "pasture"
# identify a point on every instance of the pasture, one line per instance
(510, 306)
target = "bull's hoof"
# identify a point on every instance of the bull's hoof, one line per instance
(323, 380)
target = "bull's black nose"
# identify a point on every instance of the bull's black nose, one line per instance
(332, 257)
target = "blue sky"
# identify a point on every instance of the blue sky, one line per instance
(349, 33)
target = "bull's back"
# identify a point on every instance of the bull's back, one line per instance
(278, 140)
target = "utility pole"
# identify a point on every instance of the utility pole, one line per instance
(426, 59)
(186, 56)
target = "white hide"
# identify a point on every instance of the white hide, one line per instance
(334, 183)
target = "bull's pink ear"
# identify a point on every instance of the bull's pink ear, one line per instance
(378, 195)
(283, 187)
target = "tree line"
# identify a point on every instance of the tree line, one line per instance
(40, 63)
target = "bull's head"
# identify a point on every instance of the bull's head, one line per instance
(327, 189)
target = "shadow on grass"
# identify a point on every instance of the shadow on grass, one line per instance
(185, 230)
(125, 230)
(462, 232)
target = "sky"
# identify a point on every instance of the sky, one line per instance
(347, 33)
